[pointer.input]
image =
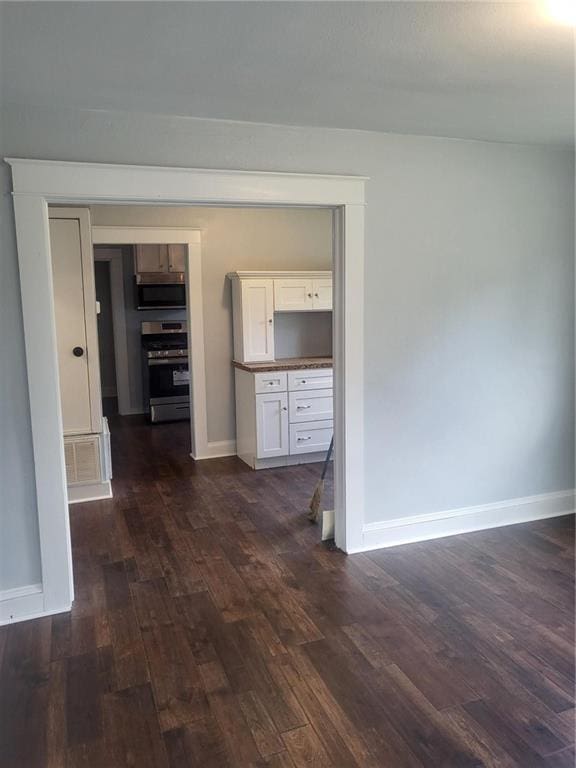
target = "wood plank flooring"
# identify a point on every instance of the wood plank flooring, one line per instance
(211, 628)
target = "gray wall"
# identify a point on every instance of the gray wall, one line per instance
(468, 303)
(232, 239)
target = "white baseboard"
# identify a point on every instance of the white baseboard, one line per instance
(217, 450)
(22, 603)
(435, 525)
(78, 494)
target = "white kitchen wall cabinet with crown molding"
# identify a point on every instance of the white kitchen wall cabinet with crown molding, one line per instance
(257, 296)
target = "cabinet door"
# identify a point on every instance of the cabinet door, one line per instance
(322, 292)
(258, 320)
(151, 258)
(292, 294)
(272, 425)
(75, 314)
(177, 257)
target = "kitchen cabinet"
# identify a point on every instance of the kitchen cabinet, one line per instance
(160, 258)
(177, 257)
(253, 314)
(151, 258)
(76, 322)
(283, 417)
(322, 294)
(272, 425)
(257, 296)
(302, 294)
(293, 294)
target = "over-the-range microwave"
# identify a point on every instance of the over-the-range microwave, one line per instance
(160, 291)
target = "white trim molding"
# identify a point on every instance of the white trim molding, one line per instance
(217, 449)
(78, 494)
(25, 603)
(436, 525)
(21, 602)
(37, 183)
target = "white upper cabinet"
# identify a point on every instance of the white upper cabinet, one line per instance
(303, 294)
(253, 320)
(75, 314)
(160, 258)
(293, 294)
(256, 296)
(322, 294)
(272, 437)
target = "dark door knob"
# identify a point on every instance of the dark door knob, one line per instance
(77, 351)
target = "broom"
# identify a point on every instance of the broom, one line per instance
(314, 508)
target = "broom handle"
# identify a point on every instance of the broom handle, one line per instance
(327, 459)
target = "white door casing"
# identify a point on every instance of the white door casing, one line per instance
(39, 182)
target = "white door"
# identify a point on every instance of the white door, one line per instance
(322, 292)
(151, 258)
(272, 437)
(75, 313)
(177, 257)
(258, 320)
(293, 294)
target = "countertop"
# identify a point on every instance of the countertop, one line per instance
(286, 364)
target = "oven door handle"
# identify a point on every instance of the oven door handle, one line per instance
(168, 361)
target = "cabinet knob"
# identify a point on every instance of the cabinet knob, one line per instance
(316, 295)
(270, 320)
(284, 408)
(309, 295)
(77, 351)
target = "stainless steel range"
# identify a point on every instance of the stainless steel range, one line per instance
(165, 368)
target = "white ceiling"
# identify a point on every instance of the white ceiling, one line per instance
(497, 71)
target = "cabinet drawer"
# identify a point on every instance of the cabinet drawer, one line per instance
(311, 437)
(315, 405)
(270, 382)
(315, 378)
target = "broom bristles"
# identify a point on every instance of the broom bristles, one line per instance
(315, 502)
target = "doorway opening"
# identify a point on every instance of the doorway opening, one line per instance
(38, 183)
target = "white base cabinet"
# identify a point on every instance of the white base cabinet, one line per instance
(283, 417)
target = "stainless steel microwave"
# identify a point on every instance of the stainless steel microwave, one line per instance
(160, 291)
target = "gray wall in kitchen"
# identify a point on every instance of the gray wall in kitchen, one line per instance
(469, 306)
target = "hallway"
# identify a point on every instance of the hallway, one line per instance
(211, 628)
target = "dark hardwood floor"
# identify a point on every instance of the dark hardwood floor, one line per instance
(211, 628)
